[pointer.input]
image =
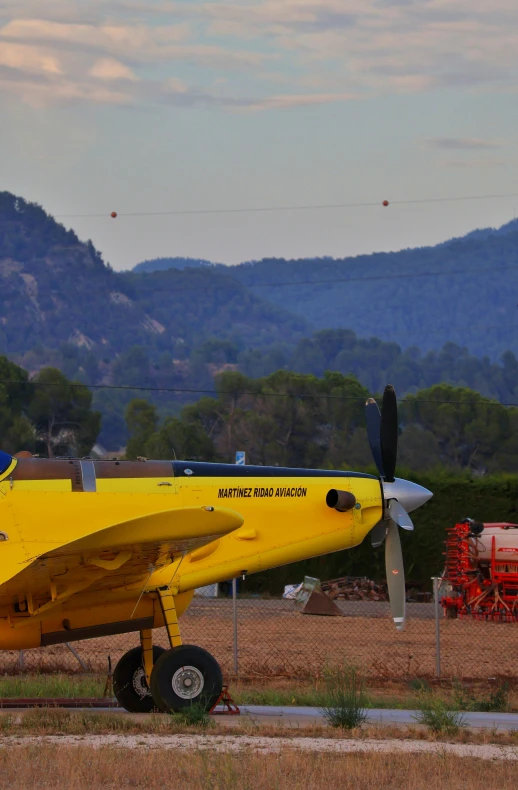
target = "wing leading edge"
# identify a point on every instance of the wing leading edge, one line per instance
(122, 554)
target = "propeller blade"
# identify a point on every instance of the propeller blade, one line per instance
(395, 575)
(379, 533)
(373, 420)
(389, 432)
(398, 514)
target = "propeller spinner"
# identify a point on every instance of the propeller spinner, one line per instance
(400, 496)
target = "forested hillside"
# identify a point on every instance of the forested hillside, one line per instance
(162, 264)
(56, 289)
(372, 362)
(464, 292)
(178, 322)
(461, 291)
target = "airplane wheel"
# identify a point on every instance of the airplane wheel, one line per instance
(129, 681)
(185, 676)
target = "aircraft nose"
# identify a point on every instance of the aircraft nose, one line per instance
(409, 495)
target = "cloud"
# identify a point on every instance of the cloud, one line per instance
(40, 91)
(297, 100)
(110, 69)
(460, 143)
(136, 42)
(438, 43)
(470, 163)
(177, 93)
(28, 59)
(96, 37)
(344, 47)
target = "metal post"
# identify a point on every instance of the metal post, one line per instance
(20, 664)
(234, 620)
(76, 655)
(436, 580)
(241, 461)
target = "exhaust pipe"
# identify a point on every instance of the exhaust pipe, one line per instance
(340, 500)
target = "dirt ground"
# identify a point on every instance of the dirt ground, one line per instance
(276, 640)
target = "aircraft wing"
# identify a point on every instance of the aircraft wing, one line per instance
(119, 555)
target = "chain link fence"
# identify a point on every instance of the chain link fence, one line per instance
(268, 638)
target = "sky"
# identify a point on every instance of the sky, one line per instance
(146, 107)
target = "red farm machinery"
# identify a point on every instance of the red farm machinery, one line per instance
(480, 579)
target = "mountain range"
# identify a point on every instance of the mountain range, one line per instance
(462, 291)
(56, 289)
(173, 323)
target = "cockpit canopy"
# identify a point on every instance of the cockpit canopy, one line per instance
(5, 462)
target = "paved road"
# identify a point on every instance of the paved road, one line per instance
(305, 716)
(499, 721)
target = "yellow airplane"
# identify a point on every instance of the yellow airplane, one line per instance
(93, 548)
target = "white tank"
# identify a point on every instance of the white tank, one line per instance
(506, 544)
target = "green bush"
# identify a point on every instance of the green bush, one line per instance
(418, 684)
(435, 714)
(466, 699)
(344, 698)
(194, 715)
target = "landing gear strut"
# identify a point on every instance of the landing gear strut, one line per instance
(185, 675)
(150, 677)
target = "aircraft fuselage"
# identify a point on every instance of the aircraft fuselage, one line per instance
(268, 516)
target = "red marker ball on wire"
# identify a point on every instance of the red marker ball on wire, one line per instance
(385, 203)
(113, 214)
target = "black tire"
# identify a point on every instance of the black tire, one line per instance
(452, 612)
(129, 681)
(181, 669)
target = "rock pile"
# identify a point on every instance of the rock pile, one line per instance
(354, 588)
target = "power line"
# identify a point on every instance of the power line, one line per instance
(473, 329)
(239, 285)
(238, 393)
(262, 209)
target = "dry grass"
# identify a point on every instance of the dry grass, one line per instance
(76, 767)
(55, 721)
(297, 646)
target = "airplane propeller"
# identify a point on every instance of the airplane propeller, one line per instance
(382, 430)
(400, 496)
